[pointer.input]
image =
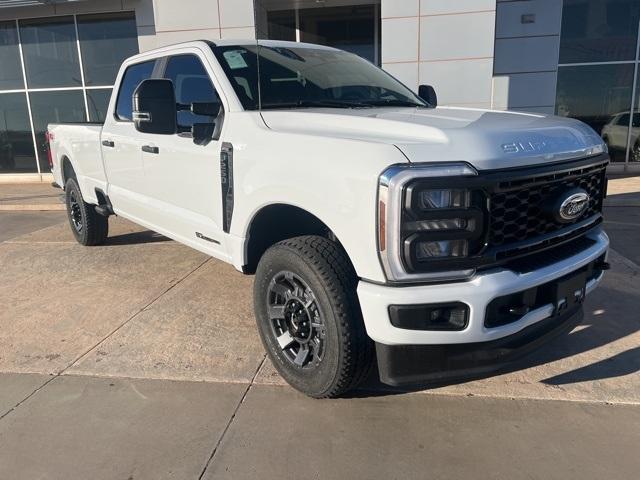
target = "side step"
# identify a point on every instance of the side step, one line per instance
(105, 208)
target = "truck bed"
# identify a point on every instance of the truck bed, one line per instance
(80, 142)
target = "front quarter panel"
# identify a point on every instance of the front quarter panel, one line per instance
(334, 179)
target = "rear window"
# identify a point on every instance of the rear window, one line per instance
(133, 76)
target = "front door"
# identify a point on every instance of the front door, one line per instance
(182, 178)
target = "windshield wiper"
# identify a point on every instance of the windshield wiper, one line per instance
(317, 104)
(394, 103)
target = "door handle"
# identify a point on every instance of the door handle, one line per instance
(108, 143)
(150, 149)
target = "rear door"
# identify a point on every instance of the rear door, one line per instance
(121, 145)
(182, 178)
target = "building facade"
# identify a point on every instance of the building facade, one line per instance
(577, 58)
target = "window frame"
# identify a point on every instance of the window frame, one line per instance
(27, 88)
(30, 75)
(85, 19)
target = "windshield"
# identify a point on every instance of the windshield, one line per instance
(302, 77)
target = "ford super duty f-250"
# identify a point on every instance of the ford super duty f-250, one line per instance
(439, 242)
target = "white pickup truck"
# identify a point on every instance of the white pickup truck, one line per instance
(441, 242)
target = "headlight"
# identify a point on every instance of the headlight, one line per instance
(442, 249)
(433, 199)
(431, 218)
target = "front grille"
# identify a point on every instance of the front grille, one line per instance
(517, 207)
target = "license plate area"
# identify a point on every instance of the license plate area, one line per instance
(570, 292)
(563, 293)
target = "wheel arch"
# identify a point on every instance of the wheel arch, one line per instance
(275, 222)
(67, 170)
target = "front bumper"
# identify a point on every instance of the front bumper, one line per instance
(418, 356)
(476, 293)
(418, 364)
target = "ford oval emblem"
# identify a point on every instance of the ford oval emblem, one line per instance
(571, 205)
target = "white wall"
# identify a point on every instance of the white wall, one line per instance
(163, 22)
(444, 43)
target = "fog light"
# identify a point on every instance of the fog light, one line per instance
(445, 316)
(441, 249)
(455, 317)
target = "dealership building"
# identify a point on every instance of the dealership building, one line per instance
(576, 58)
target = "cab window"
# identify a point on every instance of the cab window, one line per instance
(133, 76)
(192, 84)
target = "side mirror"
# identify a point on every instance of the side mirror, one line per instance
(428, 94)
(208, 109)
(202, 133)
(154, 107)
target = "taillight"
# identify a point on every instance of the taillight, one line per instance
(49, 137)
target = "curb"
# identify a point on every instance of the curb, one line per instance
(45, 207)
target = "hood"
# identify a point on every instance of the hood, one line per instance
(485, 138)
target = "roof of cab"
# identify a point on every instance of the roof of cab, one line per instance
(267, 43)
(234, 42)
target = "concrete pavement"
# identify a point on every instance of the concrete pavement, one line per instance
(30, 197)
(91, 428)
(140, 359)
(16, 223)
(279, 435)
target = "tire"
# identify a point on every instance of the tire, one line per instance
(88, 227)
(309, 318)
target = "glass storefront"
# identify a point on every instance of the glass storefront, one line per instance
(16, 141)
(598, 71)
(54, 107)
(58, 69)
(354, 28)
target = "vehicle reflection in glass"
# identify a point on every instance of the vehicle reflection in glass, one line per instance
(614, 134)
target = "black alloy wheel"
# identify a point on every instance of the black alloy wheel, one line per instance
(295, 320)
(75, 214)
(309, 317)
(88, 227)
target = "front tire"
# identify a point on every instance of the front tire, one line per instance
(309, 318)
(89, 228)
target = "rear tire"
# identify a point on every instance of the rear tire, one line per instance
(88, 227)
(309, 317)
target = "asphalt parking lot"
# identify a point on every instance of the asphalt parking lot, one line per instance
(127, 361)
